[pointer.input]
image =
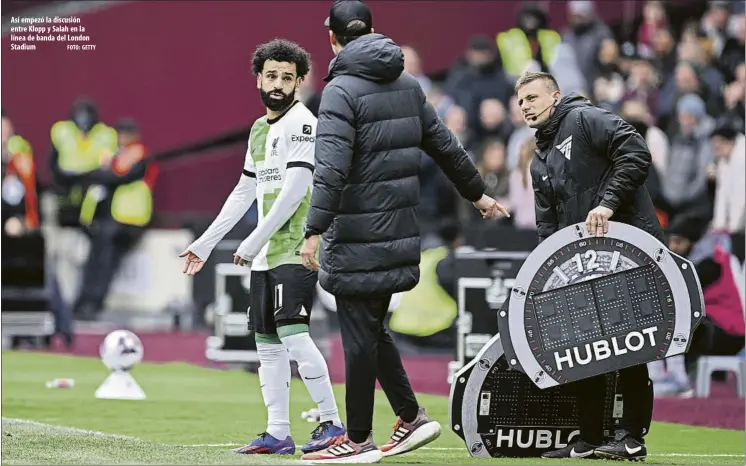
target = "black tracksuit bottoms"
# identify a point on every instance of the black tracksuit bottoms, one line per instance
(637, 395)
(370, 354)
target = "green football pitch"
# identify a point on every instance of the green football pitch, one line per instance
(194, 415)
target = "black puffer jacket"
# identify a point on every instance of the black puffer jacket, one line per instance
(373, 123)
(588, 157)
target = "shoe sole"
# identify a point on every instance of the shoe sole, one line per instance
(373, 456)
(611, 456)
(284, 452)
(419, 438)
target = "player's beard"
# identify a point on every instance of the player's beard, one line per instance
(277, 105)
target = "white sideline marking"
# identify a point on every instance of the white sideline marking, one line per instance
(72, 430)
(75, 430)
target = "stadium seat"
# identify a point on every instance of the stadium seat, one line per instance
(706, 365)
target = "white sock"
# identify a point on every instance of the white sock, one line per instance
(315, 374)
(657, 370)
(677, 368)
(274, 377)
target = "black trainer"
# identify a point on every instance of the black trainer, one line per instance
(579, 449)
(623, 447)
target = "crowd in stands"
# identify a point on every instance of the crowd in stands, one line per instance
(102, 183)
(681, 86)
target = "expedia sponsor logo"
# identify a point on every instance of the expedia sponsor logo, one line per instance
(268, 174)
(295, 138)
(534, 438)
(604, 349)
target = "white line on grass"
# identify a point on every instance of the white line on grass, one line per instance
(71, 430)
(75, 430)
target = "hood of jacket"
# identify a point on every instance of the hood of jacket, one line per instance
(373, 57)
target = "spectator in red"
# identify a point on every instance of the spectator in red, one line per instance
(654, 20)
(721, 333)
(642, 82)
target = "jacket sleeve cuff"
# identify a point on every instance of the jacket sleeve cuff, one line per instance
(610, 203)
(317, 222)
(474, 190)
(310, 231)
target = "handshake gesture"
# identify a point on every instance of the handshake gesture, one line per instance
(490, 208)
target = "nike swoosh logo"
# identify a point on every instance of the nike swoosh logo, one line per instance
(313, 378)
(544, 178)
(632, 451)
(573, 454)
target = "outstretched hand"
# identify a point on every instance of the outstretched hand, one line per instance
(490, 208)
(193, 264)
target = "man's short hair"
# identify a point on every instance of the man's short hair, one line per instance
(535, 76)
(355, 28)
(281, 50)
(726, 130)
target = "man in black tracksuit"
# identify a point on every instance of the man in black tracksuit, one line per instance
(591, 166)
(373, 124)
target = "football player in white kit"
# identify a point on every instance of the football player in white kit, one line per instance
(278, 174)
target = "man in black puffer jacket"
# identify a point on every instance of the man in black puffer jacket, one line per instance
(373, 124)
(591, 166)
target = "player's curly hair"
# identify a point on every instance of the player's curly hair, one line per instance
(281, 50)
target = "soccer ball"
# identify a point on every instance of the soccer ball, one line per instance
(120, 350)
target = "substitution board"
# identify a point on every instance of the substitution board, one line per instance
(583, 305)
(500, 412)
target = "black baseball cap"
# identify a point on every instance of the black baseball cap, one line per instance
(344, 11)
(725, 129)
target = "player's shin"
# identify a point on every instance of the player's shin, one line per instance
(313, 369)
(274, 377)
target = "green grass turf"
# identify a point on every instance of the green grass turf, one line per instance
(193, 415)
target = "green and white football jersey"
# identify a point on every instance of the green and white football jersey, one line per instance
(274, 146)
